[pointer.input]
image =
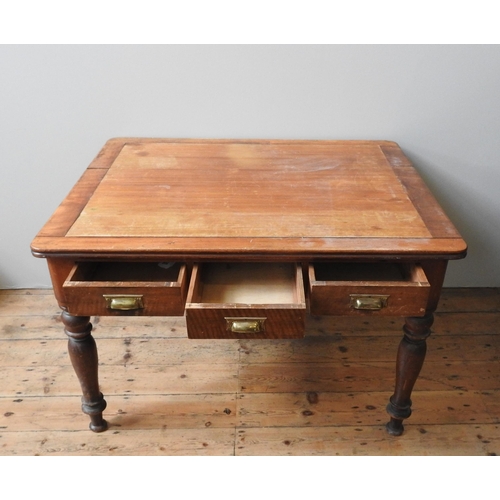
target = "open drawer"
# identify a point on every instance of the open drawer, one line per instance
(129, 288)
(246, 300)
(381, 288)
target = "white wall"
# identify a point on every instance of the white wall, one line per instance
(60, 103)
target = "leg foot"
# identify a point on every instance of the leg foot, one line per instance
(94, 411)
(98, 427)
(394, 427)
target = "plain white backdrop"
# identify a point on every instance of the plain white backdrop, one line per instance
(60, 103)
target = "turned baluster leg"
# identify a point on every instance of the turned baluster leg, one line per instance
(411, 355)
(83, 354)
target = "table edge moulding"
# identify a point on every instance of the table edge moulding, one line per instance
(245, 238)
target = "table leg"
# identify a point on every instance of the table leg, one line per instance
(83, 354)
(411, 355)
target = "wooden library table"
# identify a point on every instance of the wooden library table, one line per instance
(246, 237)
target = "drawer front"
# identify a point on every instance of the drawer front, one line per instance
(130, 289)
(209, 315)
(368, 289)
(252, 323)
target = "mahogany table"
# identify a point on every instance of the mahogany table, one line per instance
(244, 238)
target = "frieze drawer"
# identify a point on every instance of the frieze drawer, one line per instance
(246, 300)
(373, 288)
(126, 288)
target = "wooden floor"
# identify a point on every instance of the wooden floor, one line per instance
(324, 395)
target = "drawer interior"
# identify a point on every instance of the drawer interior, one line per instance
(129, 272)
(360, 272)
(246, 283)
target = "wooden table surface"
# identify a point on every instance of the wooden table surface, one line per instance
(291, 198)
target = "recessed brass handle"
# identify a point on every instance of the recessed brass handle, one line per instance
(124, 302)
(369, 302)
(245, 325)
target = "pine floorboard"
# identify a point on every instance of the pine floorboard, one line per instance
(323, 395)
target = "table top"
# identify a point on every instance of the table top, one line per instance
(196, 198)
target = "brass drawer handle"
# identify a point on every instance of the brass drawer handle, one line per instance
(124, 302)
(245, 325)
(369, 302)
